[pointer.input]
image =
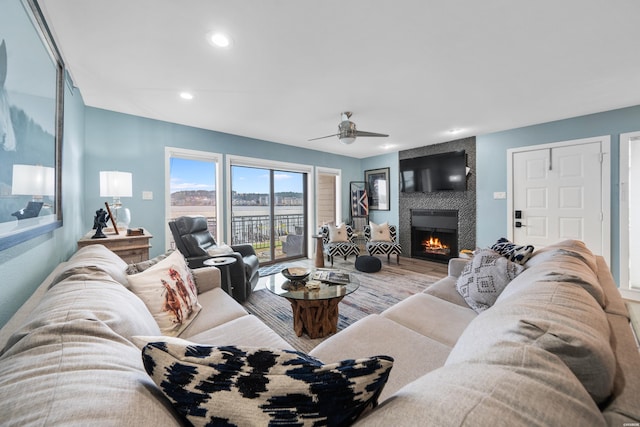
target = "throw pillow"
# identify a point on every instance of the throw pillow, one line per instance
(380, 233)
(261, 386)
(169, 292)
(141, 266)
(220, 249)
(515, 253)
(484, 278)
(338, 234)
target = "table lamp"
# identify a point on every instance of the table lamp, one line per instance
(117, 184)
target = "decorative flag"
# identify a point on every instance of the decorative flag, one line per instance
(359, 203)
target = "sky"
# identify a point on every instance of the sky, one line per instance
(189, 175)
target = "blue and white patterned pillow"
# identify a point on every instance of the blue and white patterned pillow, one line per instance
(513, 252)
(260, 386)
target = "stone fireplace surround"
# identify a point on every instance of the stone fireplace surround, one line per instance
(462, 201)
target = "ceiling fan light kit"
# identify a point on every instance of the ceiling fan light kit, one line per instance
(347, 131)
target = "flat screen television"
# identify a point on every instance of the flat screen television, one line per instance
(437, 172)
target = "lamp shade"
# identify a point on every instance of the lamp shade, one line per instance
(115, 184)
(33, 180)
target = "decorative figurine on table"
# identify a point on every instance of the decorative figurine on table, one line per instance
(100, 222)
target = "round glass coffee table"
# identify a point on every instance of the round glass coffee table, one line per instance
(315, 311)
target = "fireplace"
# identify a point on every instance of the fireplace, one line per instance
(434, 234)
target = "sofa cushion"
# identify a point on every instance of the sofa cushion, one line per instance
(169, 292)
(243, 331)
(535, 390)
(218, 309)
(558, 318)
(484, 278)
(445, 289)
(515, 253)
(263, 386)
(414, 354)
(94, 257)
(569, 262)
(432, 317)
(96, 298)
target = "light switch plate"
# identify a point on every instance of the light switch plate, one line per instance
(499, 195)
(147, 195)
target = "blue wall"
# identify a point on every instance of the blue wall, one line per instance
(116, 141)
(491, 165)
(25, 266)
(385, 161)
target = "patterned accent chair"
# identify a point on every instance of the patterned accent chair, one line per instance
(383, 248)
(338, 248)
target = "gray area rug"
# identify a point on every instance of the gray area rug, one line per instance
(377, 292)
(270, 269)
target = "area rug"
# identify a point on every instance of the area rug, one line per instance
(377, 292)
(270, 269)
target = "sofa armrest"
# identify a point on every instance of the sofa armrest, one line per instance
(206, 278)
(456, 265)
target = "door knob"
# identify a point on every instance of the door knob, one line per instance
(519, 224)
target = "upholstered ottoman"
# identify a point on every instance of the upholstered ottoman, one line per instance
(368, 264)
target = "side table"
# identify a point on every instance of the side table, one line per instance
(319, 262)
(223, 262)
(131, 249)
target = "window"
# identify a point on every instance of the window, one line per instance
(192, 188)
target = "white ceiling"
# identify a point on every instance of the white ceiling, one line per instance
(414, 69)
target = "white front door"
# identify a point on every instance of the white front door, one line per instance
(557, 193)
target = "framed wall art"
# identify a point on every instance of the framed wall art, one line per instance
(31, 115)
(378, 188)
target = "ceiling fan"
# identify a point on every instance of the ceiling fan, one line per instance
(347, 131)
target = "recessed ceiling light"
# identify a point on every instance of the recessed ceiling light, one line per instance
(186, 95)
(456, 130)
(219, 39)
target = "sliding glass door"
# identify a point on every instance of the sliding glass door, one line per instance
(268, 211)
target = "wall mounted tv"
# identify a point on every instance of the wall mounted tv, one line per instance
(437, 172)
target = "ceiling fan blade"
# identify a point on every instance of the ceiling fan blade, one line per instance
(364, 133)
(323, 137)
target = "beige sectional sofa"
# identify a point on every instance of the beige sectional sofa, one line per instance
(556, 348)
(69, 356)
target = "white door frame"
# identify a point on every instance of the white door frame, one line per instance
(605, 142)
(625, 288)
(338, 174)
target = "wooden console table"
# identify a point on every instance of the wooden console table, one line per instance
(131, 249)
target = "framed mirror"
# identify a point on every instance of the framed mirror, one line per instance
(31, 121)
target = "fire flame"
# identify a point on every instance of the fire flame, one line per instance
(433, 243)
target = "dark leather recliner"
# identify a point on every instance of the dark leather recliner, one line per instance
(193, 239)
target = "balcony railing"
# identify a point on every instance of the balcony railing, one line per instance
(255, 229)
